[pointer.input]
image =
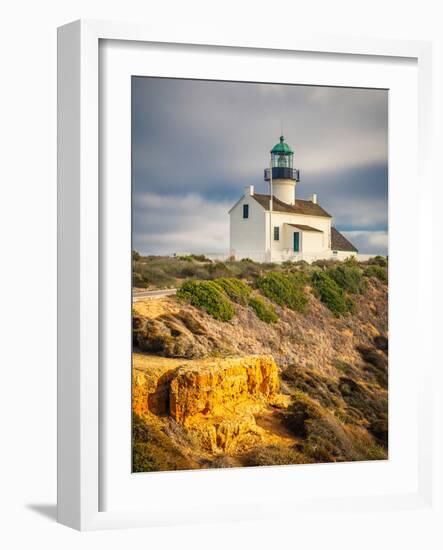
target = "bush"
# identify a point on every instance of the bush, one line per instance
(219, 269)
(379, 260)
(192, 271)
(347, 276)
(307, 380)
(264, 311)
(325, 438)
(285, 290)
(249, 270)
(324, 263)
(377, 271)
(274, 455)
(331, 294)
(137, 280)
(200, 258)
(209, 296)
(153, 451)
(376, 363)
(237, 290)
(381, 343)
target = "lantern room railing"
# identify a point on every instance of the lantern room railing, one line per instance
(282, 173)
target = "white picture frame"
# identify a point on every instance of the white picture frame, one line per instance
(80, 413)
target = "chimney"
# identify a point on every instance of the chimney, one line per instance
(314, 198)
(249, 190)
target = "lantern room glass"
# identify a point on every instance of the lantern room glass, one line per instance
(282, 160)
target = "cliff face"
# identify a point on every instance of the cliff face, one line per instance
(218, 389)
(214, 400)
(316, 338)
(310, 388)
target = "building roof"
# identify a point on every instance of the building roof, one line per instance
(307, 208)
(282, 148)
(339, 242)
(305, 227)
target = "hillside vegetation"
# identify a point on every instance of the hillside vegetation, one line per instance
(159, 272)
(326, 327)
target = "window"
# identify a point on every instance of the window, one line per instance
(276, 233)
(246, 211)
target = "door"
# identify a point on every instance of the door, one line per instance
(296, 242)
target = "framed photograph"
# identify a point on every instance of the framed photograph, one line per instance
(236, 228)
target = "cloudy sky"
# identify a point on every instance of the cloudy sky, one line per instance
(196, 144)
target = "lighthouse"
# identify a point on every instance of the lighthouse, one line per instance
(277, 227)
(281, 174)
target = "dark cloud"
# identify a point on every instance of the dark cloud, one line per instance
(200, 142)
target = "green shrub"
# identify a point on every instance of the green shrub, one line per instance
(287, 263)
(264, 311)
(237, 290)
(200, 258)
(379, 260)
(347, 276)
(381, 342)
(219, 269)
(153, 450)
(324, 263)
(305, 379)
(137, 280)
(249, 270)
(376, 363)
(325, 438)
(377, 271)
(331, 294)
(273, 455)
(351, 261)
(285, 290)
(209, 296)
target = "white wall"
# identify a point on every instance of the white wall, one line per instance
(247, 236)
(317, 222)
(312, 245)
(313, 242)
(250, 237)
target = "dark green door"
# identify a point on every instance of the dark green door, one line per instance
(296, 242)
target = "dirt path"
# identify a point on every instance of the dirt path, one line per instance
(273, 425)
(147, 307)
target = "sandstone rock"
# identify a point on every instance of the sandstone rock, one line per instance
(178, 335)
(224, 434)
(214, 399)
(220, 388)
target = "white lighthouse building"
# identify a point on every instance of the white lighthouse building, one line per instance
(276, 227)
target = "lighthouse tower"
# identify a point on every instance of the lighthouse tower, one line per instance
(281, 174)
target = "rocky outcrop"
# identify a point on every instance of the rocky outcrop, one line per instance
(215, 399)
(220, 388)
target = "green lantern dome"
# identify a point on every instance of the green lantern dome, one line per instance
(281, 165)
(282, 148)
